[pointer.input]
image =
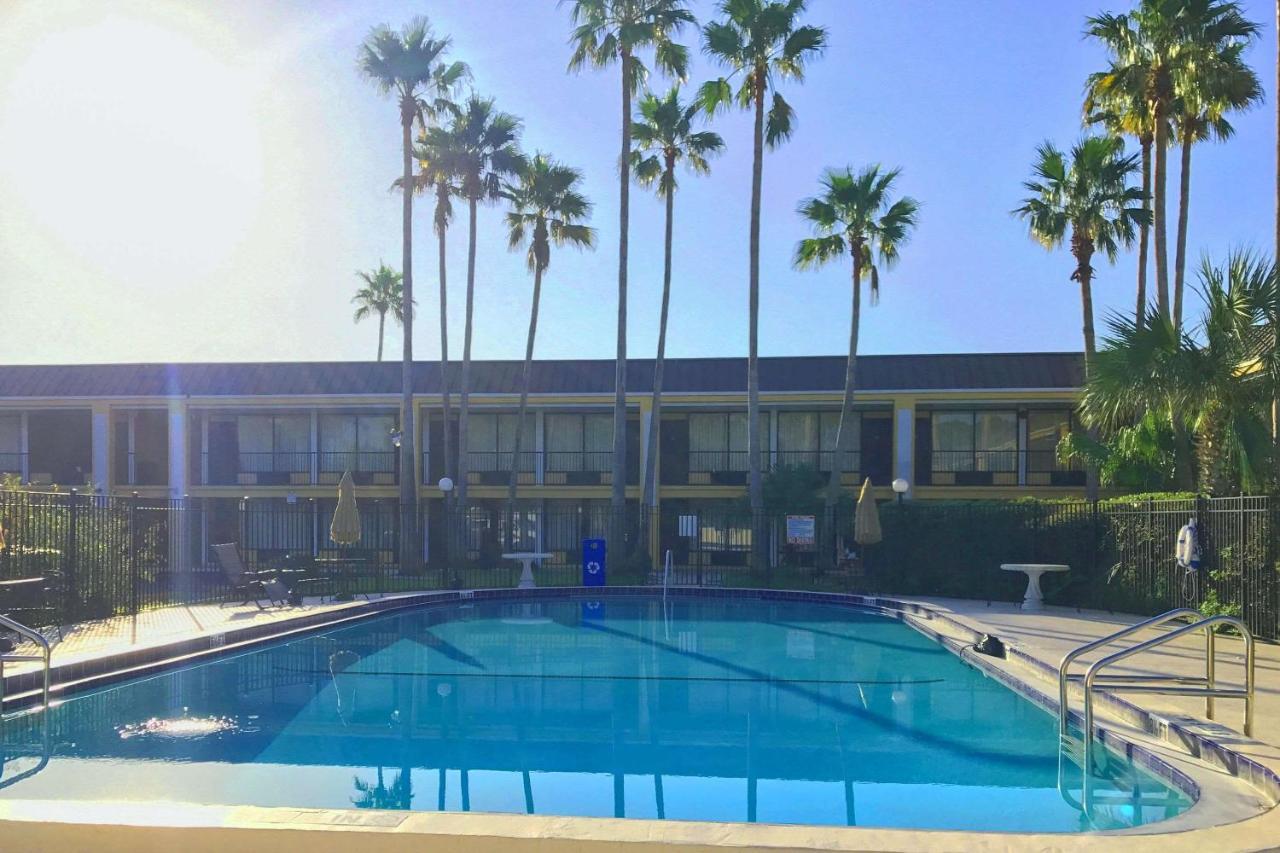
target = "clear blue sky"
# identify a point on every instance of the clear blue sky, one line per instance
(192, 181)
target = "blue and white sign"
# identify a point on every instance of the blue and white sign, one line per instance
(592, 609)
(593, 562)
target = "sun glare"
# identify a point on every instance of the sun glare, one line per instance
(129, 142)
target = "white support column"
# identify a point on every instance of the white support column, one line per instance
(178, 515)
(100, 444)
(539, 446)
(132, 473)
(204, 448)
(1022, 448)
(904, 441)
(773, 438)
(25, 447)
(315, 448)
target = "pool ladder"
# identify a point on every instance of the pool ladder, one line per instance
(9, 657)
(1197, 685)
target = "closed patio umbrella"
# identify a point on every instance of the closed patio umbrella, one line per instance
(866, 518)
(345, 528)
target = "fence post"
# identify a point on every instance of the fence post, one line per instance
(133, 566)
(69, 557)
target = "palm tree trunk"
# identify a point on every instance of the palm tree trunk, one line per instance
(655, 415)
(756, 482)
(1158, 214)
(382, 325)
(1144, 233)
(1275, 401)
(844, 432)
(464, 402)
(1180, 249)
(447, 440)
(409, 552)
(524, 393)
(618, 491)
(1082, 248)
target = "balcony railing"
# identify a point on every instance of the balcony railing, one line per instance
(549, 468)
(141, 471)
(12, 462)
(821, 460)
(999, 468)
(297, 468)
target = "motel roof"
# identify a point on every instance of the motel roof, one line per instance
(976, 371)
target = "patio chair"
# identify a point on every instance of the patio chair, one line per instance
(254, 586)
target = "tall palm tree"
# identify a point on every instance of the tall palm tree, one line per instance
(604, 32)
(410, 66)
(1084, 197)
(664, 136)
(763, 42)
(1126, 112)
(547, 208)
(1151, 49)
(857, 214)
(1220, 84)
(383, 292)
(479, 148)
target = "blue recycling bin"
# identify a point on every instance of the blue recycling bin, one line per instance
(593, 562)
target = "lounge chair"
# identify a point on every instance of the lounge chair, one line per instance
(254, 586)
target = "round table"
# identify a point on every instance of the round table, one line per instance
(526, 559)
(1034, 599)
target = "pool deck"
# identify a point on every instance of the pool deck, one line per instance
(1037, 641)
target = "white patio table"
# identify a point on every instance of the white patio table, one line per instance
(1034, 599)
(526, 559)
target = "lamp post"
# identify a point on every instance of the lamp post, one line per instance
(446, 488)
(900, 488)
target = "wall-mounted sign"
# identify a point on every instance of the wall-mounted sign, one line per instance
(800, 531)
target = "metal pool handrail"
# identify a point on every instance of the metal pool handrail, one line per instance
(35, 637)
(1155, 621)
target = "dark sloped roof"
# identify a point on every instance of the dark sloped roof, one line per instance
(791, 373)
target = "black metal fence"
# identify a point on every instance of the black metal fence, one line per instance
(69, 557)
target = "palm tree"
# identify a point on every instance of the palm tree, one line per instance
(604, 32)
(382, 293)
(547, 208)
(1084, 197)
(1197, 386)
(410, 66)
(762, 41)
(1126, 112)
(478, 148)
(856, 213)
(398, 795)
(1221, 84)
(664, 136)
(1151, 49)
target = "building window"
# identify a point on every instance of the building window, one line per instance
(809, 438)
(718, 441)
(1045, 428)
(274, 443)
(579, 442)
(11, 444)
(975, 442)
(491, 441)
(357, 443)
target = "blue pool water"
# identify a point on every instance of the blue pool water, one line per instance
(706, 709)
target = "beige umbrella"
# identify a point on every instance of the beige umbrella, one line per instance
(866, 519)
(345, 528)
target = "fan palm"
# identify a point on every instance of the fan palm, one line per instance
(479, 148)
(1197, 386)
(604, 32)
(410, 66)
(1220, 84)
(382, 293)
(665, 136)
(858, 215)
(379, 795)
(764, 43)
(547, 208)
(1084, 197)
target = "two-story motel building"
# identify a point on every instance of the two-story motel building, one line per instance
(952, 426)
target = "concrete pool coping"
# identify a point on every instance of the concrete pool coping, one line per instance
(1150, 739)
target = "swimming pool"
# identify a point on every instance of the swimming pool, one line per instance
(697, 708)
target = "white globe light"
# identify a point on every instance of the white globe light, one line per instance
(901, 486)
(445, 484)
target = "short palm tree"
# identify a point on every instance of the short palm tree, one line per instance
(1084, 197)
(856, 214)
(479, 148)
(547, 208)
(1219, 85)
(382, 293)
(665, 136)
(410, 66)
(763, 42)
(380, 795)
(604, 32)
(1198, 386)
